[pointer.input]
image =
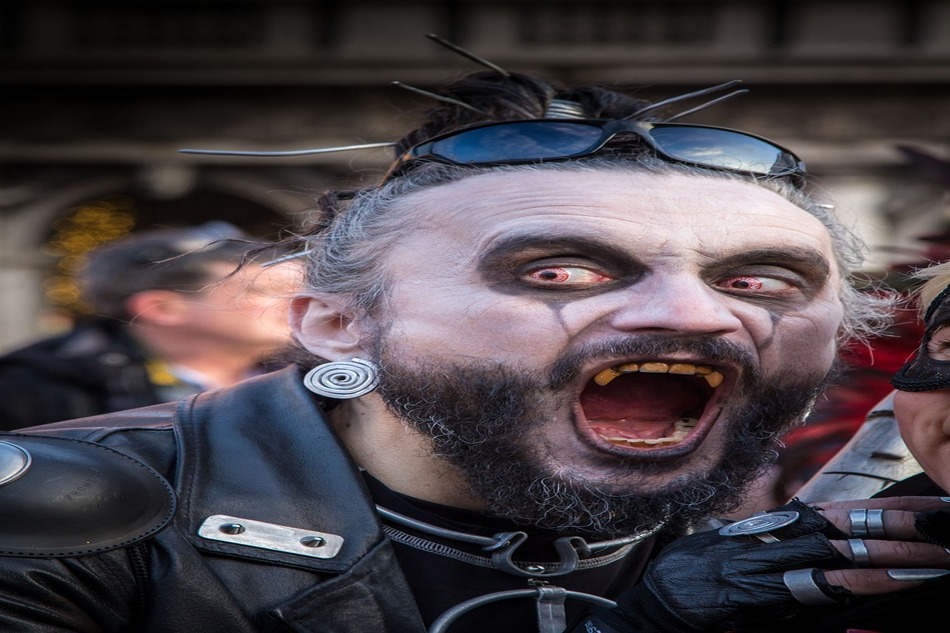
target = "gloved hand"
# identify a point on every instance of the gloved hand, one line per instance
(934, 525)
(710, 582)
(762, 575)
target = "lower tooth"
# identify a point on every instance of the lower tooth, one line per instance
(681, 429)
(659, 440)
(627, 441)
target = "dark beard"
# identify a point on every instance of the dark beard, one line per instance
(482, 417)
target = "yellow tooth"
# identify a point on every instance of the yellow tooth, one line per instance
(714, 379)
(606, 376)
(682, 368)
(633, 442)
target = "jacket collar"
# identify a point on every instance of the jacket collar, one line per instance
(243, 449)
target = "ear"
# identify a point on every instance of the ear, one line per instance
(161, 307)
(324, 325)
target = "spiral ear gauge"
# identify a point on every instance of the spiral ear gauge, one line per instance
(343, 379)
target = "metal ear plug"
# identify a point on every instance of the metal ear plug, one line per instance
(343, 379)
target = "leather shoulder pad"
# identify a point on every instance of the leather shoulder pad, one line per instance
(65, 497)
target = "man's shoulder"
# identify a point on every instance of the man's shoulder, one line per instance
(86, 354)
(84, 338)
(62, 496)
(92, 369)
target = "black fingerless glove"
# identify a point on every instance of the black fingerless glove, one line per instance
(934, 525)
(708, 582)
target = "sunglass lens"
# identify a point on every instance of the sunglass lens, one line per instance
(722, 148)
(519, 141)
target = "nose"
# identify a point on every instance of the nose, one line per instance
(679, 304)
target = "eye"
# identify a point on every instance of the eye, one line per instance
(938, 347)
(568, 276)
(755, 284)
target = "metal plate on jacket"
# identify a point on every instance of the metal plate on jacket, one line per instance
(279, 538)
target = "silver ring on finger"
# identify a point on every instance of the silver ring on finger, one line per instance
(859, 552)
(859, 523)
(875, 524)
(801, 583)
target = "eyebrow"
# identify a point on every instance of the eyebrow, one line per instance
(586, 245)
(804, 259)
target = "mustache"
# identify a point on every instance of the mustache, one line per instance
(567, 367)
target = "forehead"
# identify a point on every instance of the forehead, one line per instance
(645, 214)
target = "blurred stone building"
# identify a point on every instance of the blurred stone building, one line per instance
(96, 96)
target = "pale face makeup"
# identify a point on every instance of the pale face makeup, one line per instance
(638, 303)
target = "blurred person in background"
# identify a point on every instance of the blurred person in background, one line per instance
(167, 318)
(922, 399)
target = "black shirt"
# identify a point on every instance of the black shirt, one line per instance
(445, 572)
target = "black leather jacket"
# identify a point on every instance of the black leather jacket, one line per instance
(261, 452)
(129, 523)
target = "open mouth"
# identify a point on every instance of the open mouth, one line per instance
(651, 404)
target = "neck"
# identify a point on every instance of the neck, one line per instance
(398, 456)
(223, 365)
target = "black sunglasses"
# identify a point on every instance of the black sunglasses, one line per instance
(543, 140)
